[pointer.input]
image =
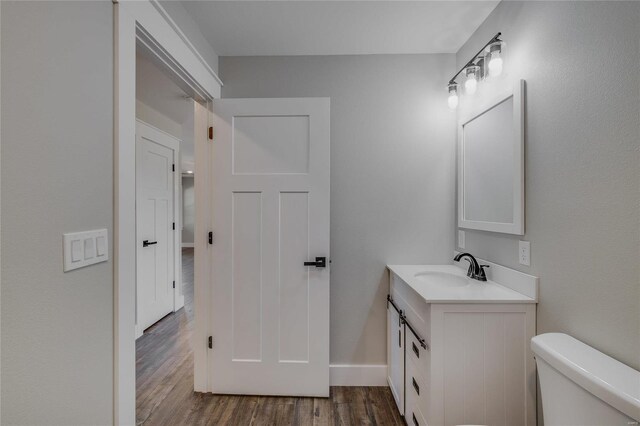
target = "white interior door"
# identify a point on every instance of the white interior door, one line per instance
(155, 215)
(270, 215)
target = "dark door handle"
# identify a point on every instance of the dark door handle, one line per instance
(147, 243)
(415, 385)
(321, 262)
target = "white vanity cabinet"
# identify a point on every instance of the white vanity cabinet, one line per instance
(454, 360)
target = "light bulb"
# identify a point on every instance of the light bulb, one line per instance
(453, 95)
(495, 56)
(471, 84)
(495, 64)
(453, 100)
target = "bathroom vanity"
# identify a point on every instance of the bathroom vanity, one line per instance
(458, 349)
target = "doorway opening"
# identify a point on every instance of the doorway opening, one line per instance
(165, 222)
(146, 27)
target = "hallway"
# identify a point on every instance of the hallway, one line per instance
(164, 386)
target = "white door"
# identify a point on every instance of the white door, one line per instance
(270, 215)
(155, 211)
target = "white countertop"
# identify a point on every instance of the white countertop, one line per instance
(474, 292)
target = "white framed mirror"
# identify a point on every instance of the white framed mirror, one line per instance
(491, 164)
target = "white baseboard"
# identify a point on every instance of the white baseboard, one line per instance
(187, 245)
(358, 375)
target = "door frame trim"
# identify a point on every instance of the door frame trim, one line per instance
(146, 24)
(178, 298)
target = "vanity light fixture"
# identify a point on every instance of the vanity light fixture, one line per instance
(494, 55)
(471, 83)
(474, 69)
(453, 96)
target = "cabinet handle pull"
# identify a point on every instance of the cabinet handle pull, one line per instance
(415, 349)
(415, 421)
(415, 385)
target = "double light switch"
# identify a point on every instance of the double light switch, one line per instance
(85, 248)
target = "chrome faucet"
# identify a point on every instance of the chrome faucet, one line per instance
(475, 271)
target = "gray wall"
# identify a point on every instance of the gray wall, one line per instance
(57, 144)
(188, 210)
(155, 118)
(392, 173)
(581, 63)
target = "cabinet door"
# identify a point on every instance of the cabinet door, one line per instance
(395, 356)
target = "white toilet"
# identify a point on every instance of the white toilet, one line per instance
(582, 386)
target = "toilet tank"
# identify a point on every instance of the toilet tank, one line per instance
(582, 386)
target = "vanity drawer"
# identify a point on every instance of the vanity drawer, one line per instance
(416, 389)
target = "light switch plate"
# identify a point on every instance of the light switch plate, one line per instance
(524, 253)
(461, 239)
(85, 248)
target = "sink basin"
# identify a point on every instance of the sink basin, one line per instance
(442, 278)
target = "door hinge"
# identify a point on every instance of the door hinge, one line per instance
(210, 342)
(210, 237)
(211, 133)
(174, 226)
(174, 284)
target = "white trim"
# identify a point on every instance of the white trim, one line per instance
(358, 375)
(202, 268)
(144, 21)
(184, 38)
(124, 246)
(515, 280)
(517, 92)
(188, 245)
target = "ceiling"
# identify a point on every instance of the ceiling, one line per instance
(256, 28)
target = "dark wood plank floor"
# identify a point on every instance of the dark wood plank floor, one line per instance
(164, 385)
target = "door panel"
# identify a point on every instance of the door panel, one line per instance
(270, 214)
(246, 276)
(294, 280)
(268, 145)
(155, 180)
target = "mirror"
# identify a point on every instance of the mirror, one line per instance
(491, 165)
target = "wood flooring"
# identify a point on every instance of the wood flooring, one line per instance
(165, 396)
